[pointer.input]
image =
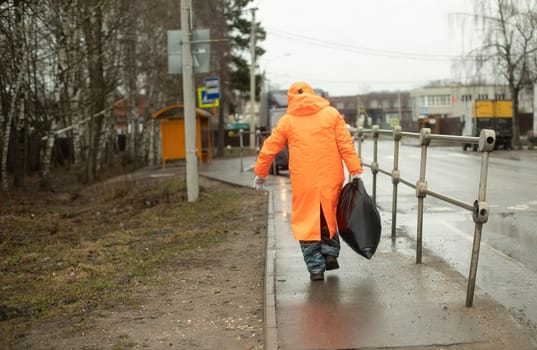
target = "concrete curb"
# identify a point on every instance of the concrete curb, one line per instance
(271, 336)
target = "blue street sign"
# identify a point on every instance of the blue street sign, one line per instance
(212, 86)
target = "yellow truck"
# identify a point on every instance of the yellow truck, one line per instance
(491, 114)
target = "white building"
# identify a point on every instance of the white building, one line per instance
(455, 100)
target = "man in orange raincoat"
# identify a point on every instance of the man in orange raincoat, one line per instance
(319, 142)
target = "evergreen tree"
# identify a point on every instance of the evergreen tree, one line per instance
(239, 28)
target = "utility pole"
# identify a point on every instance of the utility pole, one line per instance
(192, 185)
(252, 81)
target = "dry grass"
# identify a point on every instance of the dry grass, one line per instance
(67, 253)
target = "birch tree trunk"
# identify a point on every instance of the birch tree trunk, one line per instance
(151, 143)
(11, 113)
(3, 165)
(93, 35)
(107, 131)
(21, 140)
(131, 112)
(77, 132)
(7, 136)
(75, 90)
(100, 147)
(60, 89)
(44, 183)
(18, 71)
(135, 122)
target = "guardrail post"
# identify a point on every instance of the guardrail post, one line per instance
(487, 139)
(375, 164)
(421, 188)
(395, 175)
(360, 140)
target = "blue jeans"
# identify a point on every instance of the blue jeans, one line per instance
(314, 251)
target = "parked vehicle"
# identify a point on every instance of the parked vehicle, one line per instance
(491, 114)
(273, 105)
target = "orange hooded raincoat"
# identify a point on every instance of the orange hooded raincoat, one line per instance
(318, 141)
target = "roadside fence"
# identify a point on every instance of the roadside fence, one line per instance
(479, 208)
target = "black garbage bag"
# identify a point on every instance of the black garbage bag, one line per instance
(358, 219)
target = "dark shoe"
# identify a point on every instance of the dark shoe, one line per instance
(317, 276)
(331, 262)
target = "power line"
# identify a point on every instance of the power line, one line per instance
(362, 50)
(356, 82)
(376, 82)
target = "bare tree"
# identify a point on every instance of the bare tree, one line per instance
(509, 29)
(75, 59)
(63, 24)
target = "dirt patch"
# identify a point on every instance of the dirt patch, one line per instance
(129, 263)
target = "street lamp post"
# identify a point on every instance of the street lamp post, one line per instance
(252, 82)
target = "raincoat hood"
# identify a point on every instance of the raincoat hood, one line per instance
(303, 101)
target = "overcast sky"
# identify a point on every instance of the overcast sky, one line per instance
(350, 47)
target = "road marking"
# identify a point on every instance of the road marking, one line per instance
(519, 207)
(522, 206)
(471, 239)
(460, 155)
(439, 209)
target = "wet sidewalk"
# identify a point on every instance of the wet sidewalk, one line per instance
(383, 303)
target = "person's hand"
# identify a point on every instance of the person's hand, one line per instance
(260, 183)
(356, 176)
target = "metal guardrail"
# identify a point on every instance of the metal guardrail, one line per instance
(479, 208)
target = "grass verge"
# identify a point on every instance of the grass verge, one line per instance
(67, 255)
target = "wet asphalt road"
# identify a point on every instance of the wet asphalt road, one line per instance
(507, 267)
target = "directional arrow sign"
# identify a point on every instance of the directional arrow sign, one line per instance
(205, 102)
